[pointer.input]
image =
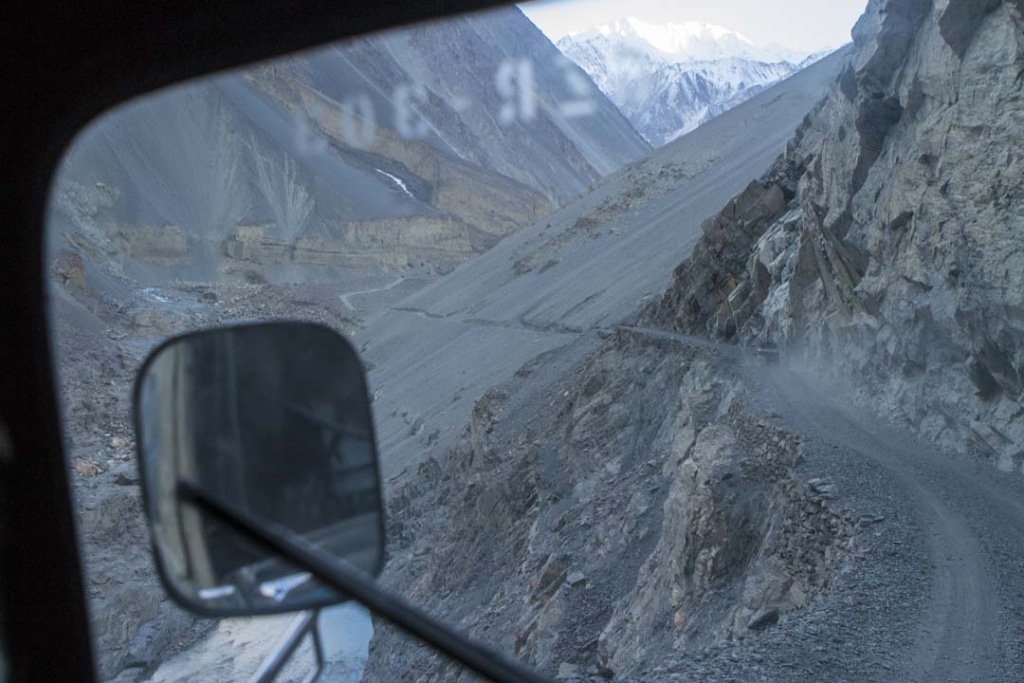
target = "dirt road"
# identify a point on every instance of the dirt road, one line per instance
(937, 593)
(949, 547)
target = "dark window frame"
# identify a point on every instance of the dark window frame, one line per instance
(66, 64)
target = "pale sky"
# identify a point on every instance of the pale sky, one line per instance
(797, 24)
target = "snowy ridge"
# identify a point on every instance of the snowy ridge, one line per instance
(668, 79)
(688, 41)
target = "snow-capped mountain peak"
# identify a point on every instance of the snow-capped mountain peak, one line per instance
(685, 42)
(669, 78)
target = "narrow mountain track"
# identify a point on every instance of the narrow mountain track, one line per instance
(969, 623)
(347, 298)
(939, 593)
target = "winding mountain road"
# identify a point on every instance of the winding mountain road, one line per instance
(940, 595)
(957, 528)
(347, 298)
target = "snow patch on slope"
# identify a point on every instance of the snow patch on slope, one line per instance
(398, 181)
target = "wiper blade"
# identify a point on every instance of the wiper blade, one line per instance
(340, 575)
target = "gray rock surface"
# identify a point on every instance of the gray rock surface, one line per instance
(897, 262)
(610, 516)
(911, 555)
(590, 264)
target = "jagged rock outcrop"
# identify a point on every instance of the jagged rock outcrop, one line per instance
(898, 262)
(640, 509)
(708, 283)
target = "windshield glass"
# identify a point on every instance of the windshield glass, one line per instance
(693, 332)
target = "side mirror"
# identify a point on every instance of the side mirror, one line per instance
(273, 420)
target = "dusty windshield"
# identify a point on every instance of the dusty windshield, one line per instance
(693, 333)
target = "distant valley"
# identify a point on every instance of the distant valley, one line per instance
(322, 187)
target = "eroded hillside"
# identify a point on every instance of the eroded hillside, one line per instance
(406, 152)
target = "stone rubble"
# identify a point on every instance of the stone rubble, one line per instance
(644, 513)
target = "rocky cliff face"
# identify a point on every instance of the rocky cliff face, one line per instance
(632, 509)
(886, 245)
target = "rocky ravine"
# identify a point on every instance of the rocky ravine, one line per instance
(633, 504)
(886, 245)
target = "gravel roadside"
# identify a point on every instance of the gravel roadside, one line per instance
(935, 591)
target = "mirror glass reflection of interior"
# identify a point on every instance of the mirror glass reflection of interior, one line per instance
(274, 420)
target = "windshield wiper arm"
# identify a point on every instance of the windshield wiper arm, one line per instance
(341, 576)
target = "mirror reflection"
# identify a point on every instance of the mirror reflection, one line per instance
(275, 420)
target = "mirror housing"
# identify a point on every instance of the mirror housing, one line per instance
(273, 419)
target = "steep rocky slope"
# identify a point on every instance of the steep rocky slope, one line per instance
(364, 168)
(605, 518)
(879, 251)
(529, 328)
(590, 264)
(406, 151)
(885, 246)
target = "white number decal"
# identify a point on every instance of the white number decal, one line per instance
(515, 85)
(582, 102)
(409, 123)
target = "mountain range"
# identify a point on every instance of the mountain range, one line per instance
(667, 79)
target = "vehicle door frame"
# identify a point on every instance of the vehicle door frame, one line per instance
(66, 64)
